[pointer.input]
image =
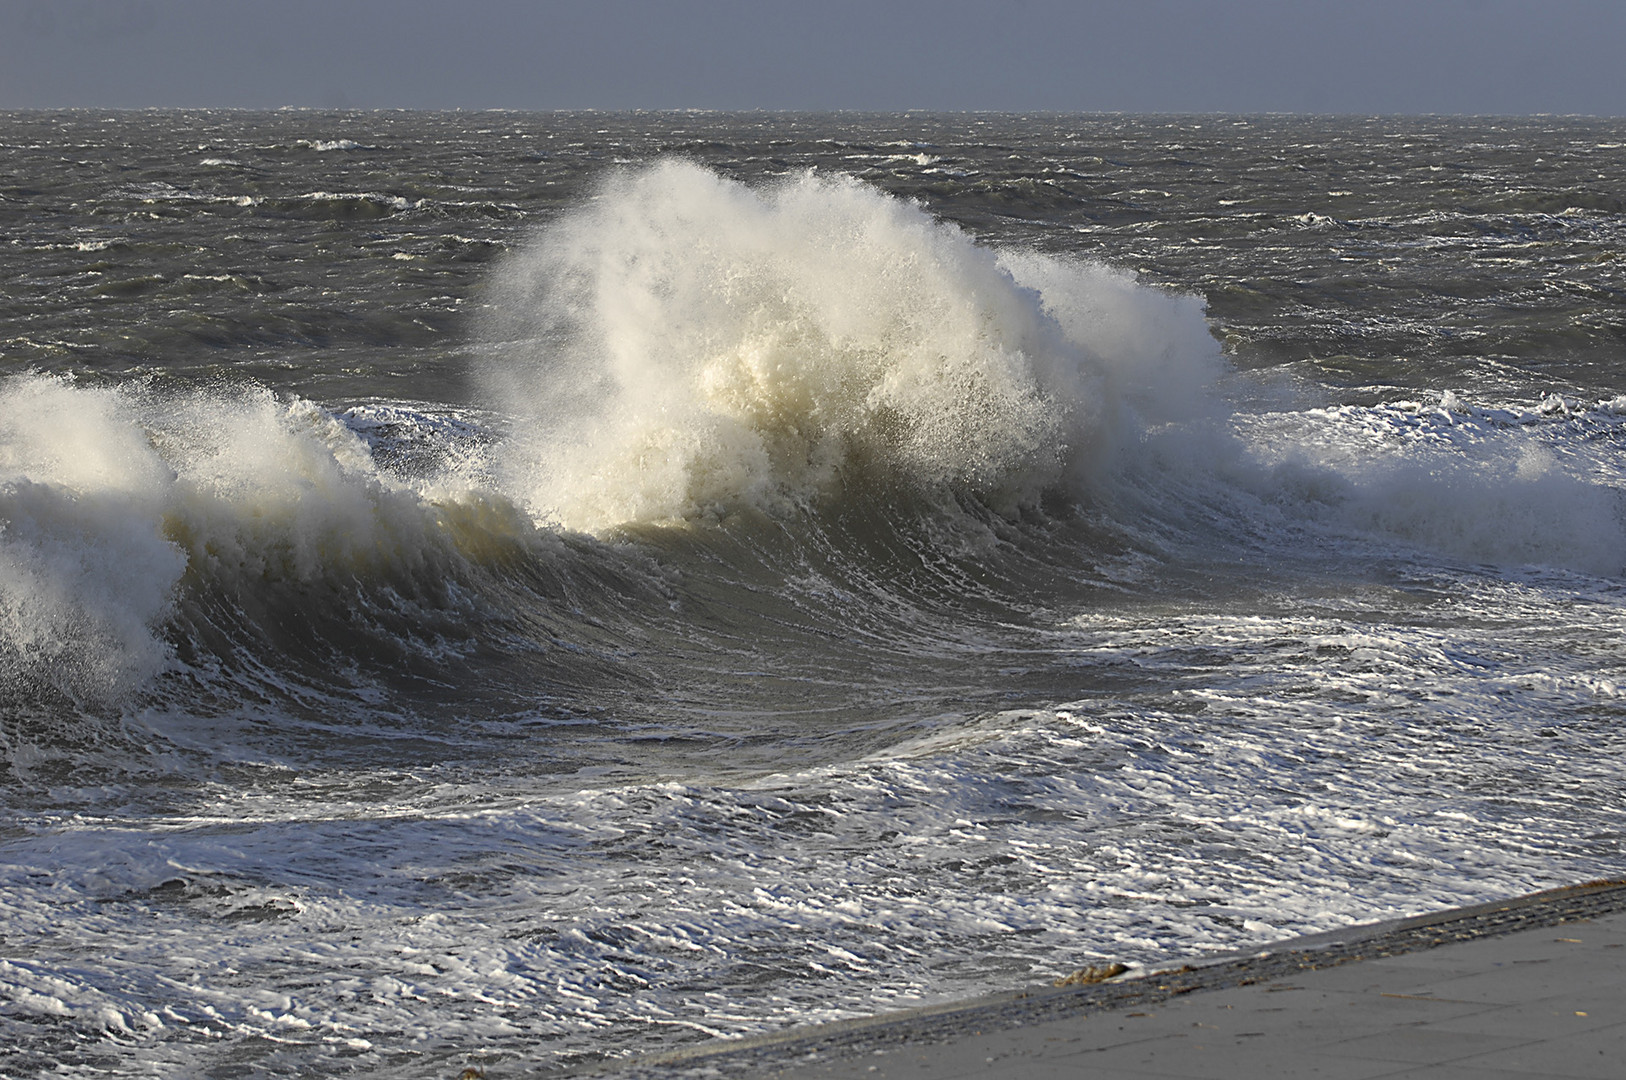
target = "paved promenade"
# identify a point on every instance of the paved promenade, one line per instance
(1532, 987)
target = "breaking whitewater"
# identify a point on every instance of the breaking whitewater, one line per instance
(513, 589)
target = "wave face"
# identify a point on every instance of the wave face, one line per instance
(569, 585)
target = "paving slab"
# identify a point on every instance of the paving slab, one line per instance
(1599, 1054)
(1541, 1017)
(1529, 987)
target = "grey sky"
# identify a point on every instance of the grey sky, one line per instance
(1367, 56)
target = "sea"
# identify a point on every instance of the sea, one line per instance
(509, 591)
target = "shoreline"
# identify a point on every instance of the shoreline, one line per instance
(833, 1043)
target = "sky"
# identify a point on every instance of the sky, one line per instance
(1306, 56)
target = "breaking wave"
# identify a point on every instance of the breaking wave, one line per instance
(687, 349)
(684, 346)
(112, 500)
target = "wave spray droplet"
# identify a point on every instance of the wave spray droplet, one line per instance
(684, 346)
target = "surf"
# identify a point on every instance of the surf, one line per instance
(802, 373)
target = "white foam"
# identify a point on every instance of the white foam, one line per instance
(684, 346)
(109, 497)
(325, 145)
(85, 568)
(1507, 486)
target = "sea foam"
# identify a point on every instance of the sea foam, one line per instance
(684, 345)
(111, 500)
(85, 568)
(1506, 487)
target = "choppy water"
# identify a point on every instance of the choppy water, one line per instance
(513, 589)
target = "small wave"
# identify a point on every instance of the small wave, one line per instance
(160, 193)
(471, 208)
(393, 202)
(323, 146)
(342, 205)
(1312, 220)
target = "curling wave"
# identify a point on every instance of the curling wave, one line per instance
(112, 499)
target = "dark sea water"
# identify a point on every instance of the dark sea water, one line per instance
(514, 589)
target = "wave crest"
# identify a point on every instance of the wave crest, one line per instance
(684, 346)
(114, 502)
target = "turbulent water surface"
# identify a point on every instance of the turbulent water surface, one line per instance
(516, 589)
